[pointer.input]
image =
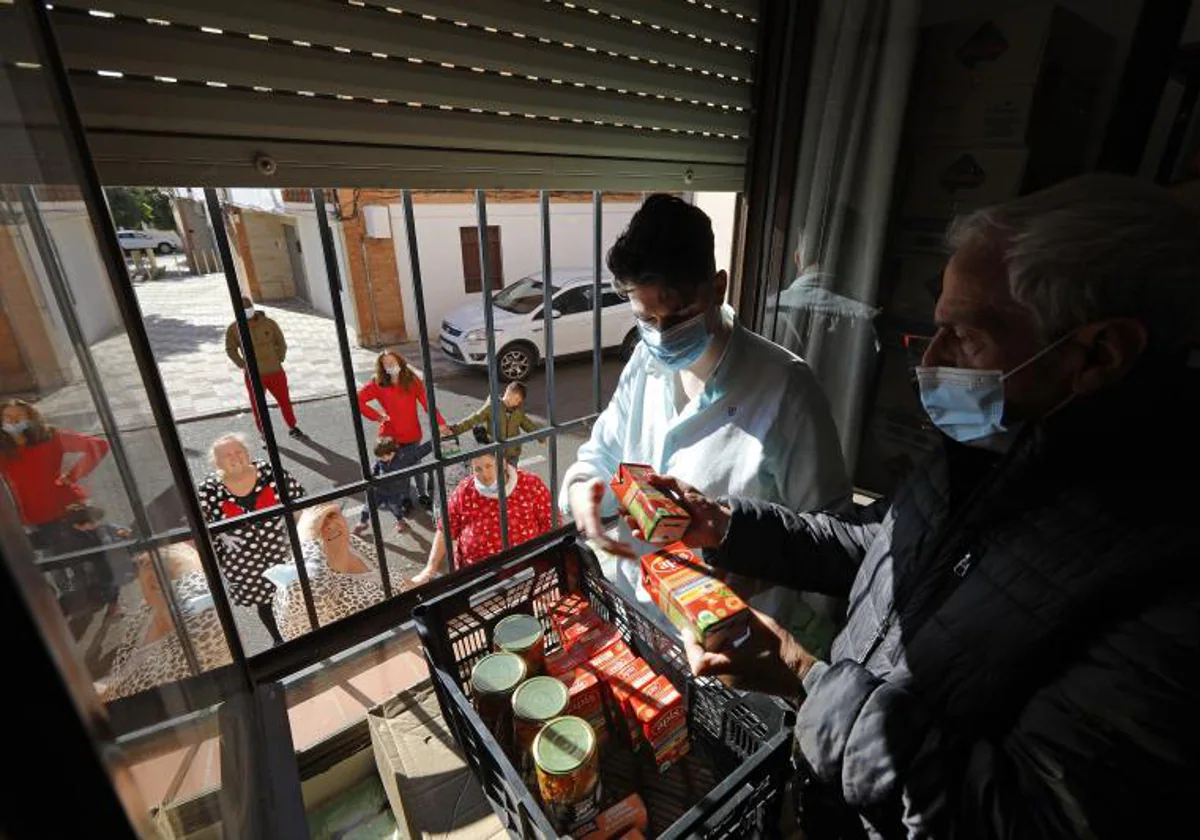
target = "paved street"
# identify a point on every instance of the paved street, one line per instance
(186, 320)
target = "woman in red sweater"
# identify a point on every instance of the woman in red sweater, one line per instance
(32, 457)
(397, 390)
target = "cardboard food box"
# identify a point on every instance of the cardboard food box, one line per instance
(658, 708)
(429, 786)
(661, 518)
(585, 699)
(693, 600)
(566, 609)
(571, 631)
(624, 683)
(942, 183)
(1017, 44)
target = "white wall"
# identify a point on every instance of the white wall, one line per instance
(314, 263)
(71, 230)
(721, 207)
(440, 249)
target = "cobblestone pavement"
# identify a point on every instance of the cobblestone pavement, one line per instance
(186, 319)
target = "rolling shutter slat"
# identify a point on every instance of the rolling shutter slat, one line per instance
(188, 54)
(501, 80)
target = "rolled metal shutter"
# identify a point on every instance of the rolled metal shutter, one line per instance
(612, 94)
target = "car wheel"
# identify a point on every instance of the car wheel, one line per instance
(515, 362)
(630, 344)
(164, 248)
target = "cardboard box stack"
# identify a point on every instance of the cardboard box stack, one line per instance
(1001, 105)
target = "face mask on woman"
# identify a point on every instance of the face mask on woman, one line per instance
(679, 346)
(392, 370)
(20, 427)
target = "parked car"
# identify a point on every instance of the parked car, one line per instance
(164, 242)
(520, 323)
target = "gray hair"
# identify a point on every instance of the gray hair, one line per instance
(1094, 247)
(232, 437)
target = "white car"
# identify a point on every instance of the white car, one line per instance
(520, 323)
(163, 242)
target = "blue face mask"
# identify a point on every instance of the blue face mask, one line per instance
(968, 405)
(20, 427)
(681, 345)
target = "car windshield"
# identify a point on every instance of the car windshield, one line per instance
(521, 297)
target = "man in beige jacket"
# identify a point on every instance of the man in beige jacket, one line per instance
(270, 349)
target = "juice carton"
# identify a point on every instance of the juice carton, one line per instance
(662, 720)
(625, 684)
(561, 661)
(565, 610)
(661, 518)
(692, 599)
(570, 631)
(585, 699)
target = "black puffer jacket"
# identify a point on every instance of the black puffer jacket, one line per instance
(1022, 652)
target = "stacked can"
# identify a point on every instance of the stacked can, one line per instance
(493, 681)
(535, 703)
(522, 635)
(567, 766)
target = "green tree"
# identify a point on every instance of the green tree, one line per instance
(136, 207)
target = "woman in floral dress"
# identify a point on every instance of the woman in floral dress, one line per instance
(238, 486)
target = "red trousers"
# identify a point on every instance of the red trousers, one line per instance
(276, 385)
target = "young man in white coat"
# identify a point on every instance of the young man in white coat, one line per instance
(704, 399)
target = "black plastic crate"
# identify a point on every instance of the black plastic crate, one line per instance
(731, 785)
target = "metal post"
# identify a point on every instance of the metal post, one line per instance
(548, 320)
(597, 347)
(114, 263)
(108, 422)
(217, 219)
(489, 324)
(414, 263)
(335, 297)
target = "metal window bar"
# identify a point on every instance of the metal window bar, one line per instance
(335, 297)
(217, 220)
(597, 346)
(489, 324)
(114, 263)
(548, 320)
(351, 488)
(414, 261)
(48, 253)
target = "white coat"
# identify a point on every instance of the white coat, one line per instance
(761, 428)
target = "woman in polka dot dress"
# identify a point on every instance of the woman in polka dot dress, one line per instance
(238, 486)
(474, 509)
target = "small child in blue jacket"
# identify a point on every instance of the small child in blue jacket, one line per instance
(394, 497)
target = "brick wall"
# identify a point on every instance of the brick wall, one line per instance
(374, 278)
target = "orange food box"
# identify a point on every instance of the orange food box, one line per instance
(661, 518)
(572, 630)
(692, 599)
(585, 699)
(620, 820)
(624, 684)
(599, 638)
(662, 718)
(561, 661)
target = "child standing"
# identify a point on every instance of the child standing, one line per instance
(513, 420)
(394, 497)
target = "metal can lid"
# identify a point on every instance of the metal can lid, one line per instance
(541, 698)
(564, 745)
(497, 673)
(517, 633)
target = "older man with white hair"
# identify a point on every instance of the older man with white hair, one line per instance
(1022, 652)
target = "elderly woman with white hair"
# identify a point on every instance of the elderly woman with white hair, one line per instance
(239, 485)
(343, 572)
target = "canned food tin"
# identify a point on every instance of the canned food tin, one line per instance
(523, 635)
(493, 681)
(568, 772)
(535, 703)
